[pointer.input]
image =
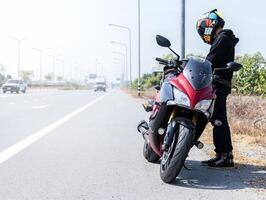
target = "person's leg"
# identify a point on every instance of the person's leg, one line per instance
(222, 135)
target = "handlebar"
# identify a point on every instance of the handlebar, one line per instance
(171, 63)
(161, 60)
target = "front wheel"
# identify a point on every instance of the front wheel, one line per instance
(173, 160)
(149, 154)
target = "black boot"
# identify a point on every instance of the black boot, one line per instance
(212, 160)
(226, 160)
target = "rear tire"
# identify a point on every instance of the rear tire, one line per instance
(4, 91)
(173, 160)
(149, 154)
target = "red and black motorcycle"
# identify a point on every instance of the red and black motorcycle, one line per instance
(182, 108)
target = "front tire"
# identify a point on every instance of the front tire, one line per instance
(173, 160)
(149, 154)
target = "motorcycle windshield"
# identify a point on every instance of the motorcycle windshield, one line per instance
(198, 72)
(166, 92)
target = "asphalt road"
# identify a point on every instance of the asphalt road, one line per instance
(84, 145)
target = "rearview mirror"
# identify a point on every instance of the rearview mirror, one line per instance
(233, 66)
(162, 41)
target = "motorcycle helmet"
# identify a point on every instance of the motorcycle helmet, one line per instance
(208, 24)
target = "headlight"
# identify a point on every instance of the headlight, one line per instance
(180, 98)
(203, 105)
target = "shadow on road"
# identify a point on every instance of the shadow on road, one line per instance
(240, 177)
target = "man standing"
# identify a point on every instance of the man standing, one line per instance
(222, 51)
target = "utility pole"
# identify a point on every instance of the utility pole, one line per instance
(19, 40)
(183, 29)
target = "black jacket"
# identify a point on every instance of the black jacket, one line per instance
(222, 52)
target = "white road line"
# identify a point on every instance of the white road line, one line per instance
(16, 148)
(11, 103)
(40, 107)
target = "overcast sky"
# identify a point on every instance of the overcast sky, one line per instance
(78, 31)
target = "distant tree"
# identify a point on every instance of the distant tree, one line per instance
(195, 55)
(59, 78)
(2, 74)
(49, 76)
(169, 56)
(8, 76)
(252, 78)
(26, 75)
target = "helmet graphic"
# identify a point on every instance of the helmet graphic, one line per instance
(207, 25)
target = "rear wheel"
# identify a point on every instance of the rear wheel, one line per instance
(149, 154)
(4, 91)
(173, 159)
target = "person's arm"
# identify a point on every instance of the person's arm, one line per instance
(218, 51)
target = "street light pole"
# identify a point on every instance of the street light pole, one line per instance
(63, 65)
(139, 47)
(19, 40)
(183, 29)
(124, 59)
(41, 53)
(54, 62)
(130, 50)
(125, 46)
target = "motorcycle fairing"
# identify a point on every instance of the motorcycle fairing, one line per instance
(194, 96)
(198, 73)
(166, 93)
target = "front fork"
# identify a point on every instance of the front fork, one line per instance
(173, 126)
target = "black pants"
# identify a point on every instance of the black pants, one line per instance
(221, 134)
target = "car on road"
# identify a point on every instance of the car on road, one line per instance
(100, 85)
(14, 85)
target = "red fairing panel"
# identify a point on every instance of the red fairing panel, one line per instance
(195, 96)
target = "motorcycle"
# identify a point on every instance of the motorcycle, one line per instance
(182, 108)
